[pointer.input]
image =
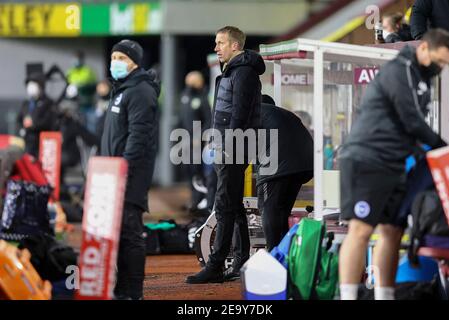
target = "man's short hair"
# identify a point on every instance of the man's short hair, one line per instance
(235, 35)
(436, 38)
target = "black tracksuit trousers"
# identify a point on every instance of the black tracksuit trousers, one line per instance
(275, 199)
(131, 254)
(229, 209)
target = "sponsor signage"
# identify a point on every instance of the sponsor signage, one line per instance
(364, 75)
(293, 79)
(76, 19)
(50, 157)
(39, 20)
(103, 205)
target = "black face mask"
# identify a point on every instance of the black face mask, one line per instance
(105, 97)
(432, 70)
(194, 91)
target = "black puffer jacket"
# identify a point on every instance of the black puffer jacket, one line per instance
(391, 119)
(238, 93)
(130, 130)
(429, 13)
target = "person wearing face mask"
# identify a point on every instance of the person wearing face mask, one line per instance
(393, 30)
(82, 77)
(82, 81)
(37, 113)
(129, 131)
(389, 127)
(195, 107)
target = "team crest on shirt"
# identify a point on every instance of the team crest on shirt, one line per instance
(118, 99)
(362, 209)
(422, 88)
(196, 103)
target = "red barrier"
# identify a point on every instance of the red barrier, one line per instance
(7, 141)
(27, 168)
(103, 204)
(439, 166)
(50, 157)
(4, 141)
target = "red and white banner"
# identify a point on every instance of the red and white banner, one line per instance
(103, 205)
(439, 167)
(50, 158)
(364, 75)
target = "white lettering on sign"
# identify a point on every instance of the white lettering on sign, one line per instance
(121, 21)
(73, 20)
(100, 211)
(294, 79)
(365, 75)
(93, 267)
(49, 160)
(91, 256)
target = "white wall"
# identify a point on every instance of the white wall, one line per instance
(252, 17)
(444, 111)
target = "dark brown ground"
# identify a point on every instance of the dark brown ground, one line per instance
(165, 274)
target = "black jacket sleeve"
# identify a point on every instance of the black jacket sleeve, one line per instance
(21, 115)
(206, 113)
(141, 120)
(421, 12)
(44, 119)
(399, 86)
(244, 93)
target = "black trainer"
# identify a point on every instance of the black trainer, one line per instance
(207, 275)
(231, 274)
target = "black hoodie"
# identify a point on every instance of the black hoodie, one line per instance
(238, 93)
(44, 117)
(294, 144)
(391, 118)
(130, 130)
(429, 14)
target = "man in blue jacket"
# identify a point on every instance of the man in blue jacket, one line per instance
(129, 132)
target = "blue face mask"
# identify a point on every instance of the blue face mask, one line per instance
(119, 69)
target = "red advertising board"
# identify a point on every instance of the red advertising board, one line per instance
(103, 204)
(439, 167)
(364, 75)
(50, 157)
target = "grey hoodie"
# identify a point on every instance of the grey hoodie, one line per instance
(390, 122)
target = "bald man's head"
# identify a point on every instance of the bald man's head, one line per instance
(195, 80)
